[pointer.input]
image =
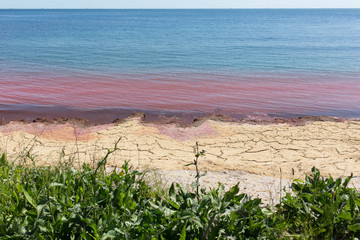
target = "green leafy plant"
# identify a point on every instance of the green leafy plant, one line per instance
(321, 208)
(89, 203)
(64, 203)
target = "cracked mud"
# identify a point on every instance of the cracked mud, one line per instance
(238, 149)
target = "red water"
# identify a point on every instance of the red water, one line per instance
(265, 93)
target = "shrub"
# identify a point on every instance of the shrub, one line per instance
(64, 203)
(321, 208)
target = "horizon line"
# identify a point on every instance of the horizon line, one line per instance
(260, 8)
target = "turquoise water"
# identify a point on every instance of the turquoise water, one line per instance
(243, 61)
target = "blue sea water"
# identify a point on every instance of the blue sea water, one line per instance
(303, 61)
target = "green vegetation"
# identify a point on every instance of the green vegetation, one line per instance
(64, 203)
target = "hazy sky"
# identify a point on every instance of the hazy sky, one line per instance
(179, 4)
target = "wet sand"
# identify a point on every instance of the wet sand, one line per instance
(250, 152)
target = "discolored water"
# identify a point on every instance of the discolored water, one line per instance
(228, 61)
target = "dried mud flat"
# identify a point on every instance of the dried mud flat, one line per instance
(251, 154)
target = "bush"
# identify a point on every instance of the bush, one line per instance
(64, 203)
(322, 208)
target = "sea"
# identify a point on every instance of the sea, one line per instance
(244, 62)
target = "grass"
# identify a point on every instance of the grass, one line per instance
(64, 203)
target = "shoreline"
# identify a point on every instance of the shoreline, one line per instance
(92, 117)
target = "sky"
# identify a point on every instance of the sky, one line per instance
(179, 4)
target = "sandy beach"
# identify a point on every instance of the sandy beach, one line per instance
(256, 155)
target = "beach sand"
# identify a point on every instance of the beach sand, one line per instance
(256, 155)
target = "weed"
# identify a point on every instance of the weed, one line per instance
(196, 164)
